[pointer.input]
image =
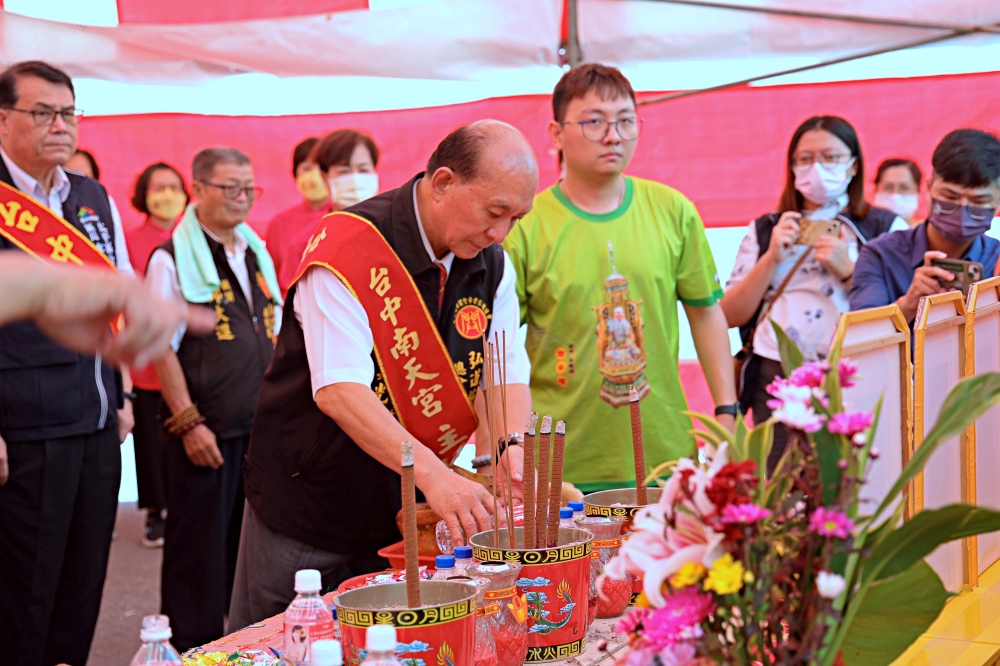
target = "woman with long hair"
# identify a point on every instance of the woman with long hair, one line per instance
(795, 264)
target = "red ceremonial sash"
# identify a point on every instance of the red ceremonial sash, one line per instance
(421, 387)
(43, 234)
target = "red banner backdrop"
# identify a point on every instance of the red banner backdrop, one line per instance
(725, 150)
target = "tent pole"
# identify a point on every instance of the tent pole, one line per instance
(850, 18)
(825, 63)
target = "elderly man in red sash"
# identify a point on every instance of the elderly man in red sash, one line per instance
(382, 343)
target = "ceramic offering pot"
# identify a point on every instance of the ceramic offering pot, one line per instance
(620, 503)
(555, 583)
(441, 631)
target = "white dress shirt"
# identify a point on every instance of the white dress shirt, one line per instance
(57, 195)
(338, 336)
(161, 276)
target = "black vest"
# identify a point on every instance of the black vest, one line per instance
(223, 369)
(304, 477)
(45, 390)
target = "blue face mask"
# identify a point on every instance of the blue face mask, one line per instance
(958, 223)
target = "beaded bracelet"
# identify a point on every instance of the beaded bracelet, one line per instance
(182, 418)
(180, 431)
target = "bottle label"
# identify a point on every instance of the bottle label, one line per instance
(299, 637)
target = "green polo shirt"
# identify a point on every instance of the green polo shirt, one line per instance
(563, 265)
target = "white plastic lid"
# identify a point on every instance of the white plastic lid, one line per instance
(308, 580)
(327, 653)
(155, 628)
(380, 638)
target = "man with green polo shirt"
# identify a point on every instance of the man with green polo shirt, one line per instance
(601, 261)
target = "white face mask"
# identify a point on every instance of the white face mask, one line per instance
(352, 188)
(821, 184)
(904, 205)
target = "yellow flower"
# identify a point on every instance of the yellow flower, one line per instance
(641, 601)
(726, 576)
(690, 574)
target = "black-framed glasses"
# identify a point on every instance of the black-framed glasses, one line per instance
(45, 117)
(233, 191)
(596, 129)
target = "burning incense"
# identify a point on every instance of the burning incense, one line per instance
(555, 491)
(541, 508)
(637, 452)
(410, 528)
(491, 432)
(529, 481)
(502, 370)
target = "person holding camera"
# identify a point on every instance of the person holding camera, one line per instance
(795, 264)
(965, 196)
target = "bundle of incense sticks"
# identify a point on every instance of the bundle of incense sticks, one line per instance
(555, 490)
(410, 528)
(637, 452)
(541, 509)
(529, 481)
(492, 364)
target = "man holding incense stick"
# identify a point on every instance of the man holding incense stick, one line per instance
(602, 261)
(383, 343)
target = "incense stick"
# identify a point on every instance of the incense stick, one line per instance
(410, 528)
(529, 481)
(502, 370)
(542, 505)
(555, 491)
(488, 399)
(638, 454)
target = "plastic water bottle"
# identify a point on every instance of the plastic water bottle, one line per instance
(566, 518)
(380, 644)
(156, 648)
(327, 653)
(463, 558)
(307, 619)
(445, 567)
(577, 507)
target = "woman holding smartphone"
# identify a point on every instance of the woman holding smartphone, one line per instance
(795, 264)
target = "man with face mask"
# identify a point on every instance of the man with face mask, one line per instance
(210, 386)
(289, 231)
(383, 344)
(965, 195)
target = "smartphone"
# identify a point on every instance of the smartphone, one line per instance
(810, 231)
(965, 272)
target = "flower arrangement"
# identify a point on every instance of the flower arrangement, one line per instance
(741, 569)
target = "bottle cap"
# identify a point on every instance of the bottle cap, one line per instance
(327, 653)
(576, 505)
(444, 562)
(155, 628)
(463, 553)
(380, 638)
(565, 512)
(308, 580)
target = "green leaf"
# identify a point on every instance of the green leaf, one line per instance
(829, 453)
(706, 436)
(920, 535)
(966, 402)
(833, 392)
(758, 448)
(791, 355)
(892, 615)
(740, 433)
(718, 431)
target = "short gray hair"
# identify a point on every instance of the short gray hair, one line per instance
(203, 166)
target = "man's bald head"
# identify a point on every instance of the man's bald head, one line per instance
(480, 149)
(480, 181)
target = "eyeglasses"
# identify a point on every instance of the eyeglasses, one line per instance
(595, 129)
(233, 191)
(806, 160)
(45, 117)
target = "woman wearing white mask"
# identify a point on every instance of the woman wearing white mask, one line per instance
(897, 188)
(349, 160)
(824, 182)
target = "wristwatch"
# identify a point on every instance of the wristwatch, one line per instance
(513, 439)
(731, 410)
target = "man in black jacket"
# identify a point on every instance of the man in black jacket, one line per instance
(58, 413)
